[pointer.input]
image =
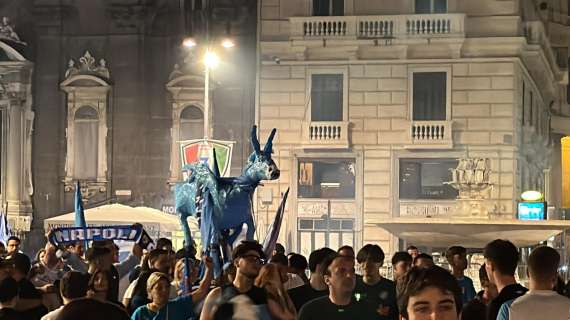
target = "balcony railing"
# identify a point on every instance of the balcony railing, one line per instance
(373, 27)
(431, 133)
(325, 134)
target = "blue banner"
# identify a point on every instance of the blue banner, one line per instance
(63, 236)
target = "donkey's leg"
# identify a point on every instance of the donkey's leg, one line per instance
(215, 255)
(250, 228)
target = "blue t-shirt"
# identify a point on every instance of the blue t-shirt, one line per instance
(467, 289)
(180, 308)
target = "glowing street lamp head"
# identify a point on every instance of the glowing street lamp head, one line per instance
(189, 42)
(228, 43)
(211, 59)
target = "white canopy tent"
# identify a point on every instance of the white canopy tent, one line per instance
(155, 222)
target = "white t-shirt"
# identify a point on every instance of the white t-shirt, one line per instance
(53, 314)
(540, 304)
(293, 281)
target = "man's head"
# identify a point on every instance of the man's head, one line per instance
(317, 257)
(501, 259)
(73, 285)
(248, 257)
(543, 266)
(429, 293)
(413, 251)
(159, 259)
(423, 260)
(164, 244)
(457, 257)
(12, 245)
(279, 249)
(297, 263)
(339, 274)
(489, 289)
(8, 291)
(109, 244)
(2, 249)
(76, 248)
(401, 263)
(21, 265)
(370, 258)
(100, 257)
(346, 251)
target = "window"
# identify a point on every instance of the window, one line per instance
(431, 6)
(86, 143)
(328, 7)
(429, 96)
(87, 96)
(327, 97)
(325, 232)
(424, 178)
(326, 178)
(191, 123)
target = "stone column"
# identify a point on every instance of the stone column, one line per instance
(566, 172)
(18, 199)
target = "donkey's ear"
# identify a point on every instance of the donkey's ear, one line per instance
(254, 141)
(269, 145)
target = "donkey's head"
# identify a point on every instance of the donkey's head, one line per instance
(260, 166)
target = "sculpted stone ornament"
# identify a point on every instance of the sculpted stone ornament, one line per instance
(7, 31)
(87, 65)
(472, 179)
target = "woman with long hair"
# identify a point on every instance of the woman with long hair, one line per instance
(278, 301)
(98, 287)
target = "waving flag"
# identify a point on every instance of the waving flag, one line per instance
(273, 232)
(79, 212)
(4, 228)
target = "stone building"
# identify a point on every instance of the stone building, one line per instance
(375, 102)
(102, 91)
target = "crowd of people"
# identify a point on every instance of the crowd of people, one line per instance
(62, 283)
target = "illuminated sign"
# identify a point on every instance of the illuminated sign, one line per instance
(532, 210)
(532, 195)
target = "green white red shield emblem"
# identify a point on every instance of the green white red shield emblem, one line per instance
(202, 150)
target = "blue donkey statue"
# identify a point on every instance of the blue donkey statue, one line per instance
(223, 205)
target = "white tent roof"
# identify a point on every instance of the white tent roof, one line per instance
(153, 220)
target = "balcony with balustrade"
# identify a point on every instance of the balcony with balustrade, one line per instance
(325, 135)
(430, 135)
(410, 26)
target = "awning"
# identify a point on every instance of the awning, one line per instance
(154, 221)
(470, 233)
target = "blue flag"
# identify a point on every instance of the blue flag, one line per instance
(79, 214)
(273, 232)
(4, 228)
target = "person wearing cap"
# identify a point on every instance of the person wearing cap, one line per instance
(160, 308)
(248, 257)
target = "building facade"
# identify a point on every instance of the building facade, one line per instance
(379, 104)
(103, 91)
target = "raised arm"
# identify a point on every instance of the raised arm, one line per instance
(204, 287)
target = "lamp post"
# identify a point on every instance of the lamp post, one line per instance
(210, 60)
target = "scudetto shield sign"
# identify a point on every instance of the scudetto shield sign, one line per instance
(202, 150)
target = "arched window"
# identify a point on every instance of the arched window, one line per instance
(191, 123)
(86, 142)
